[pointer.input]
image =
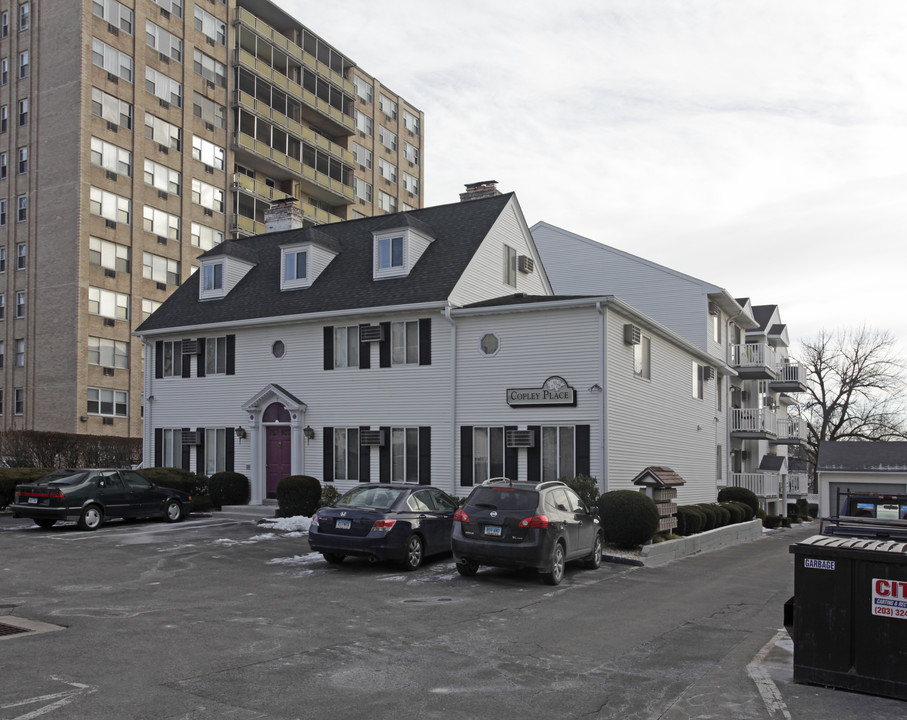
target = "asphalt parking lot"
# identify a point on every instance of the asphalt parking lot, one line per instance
(220, 618)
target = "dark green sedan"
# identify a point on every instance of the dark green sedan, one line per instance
(90, 497)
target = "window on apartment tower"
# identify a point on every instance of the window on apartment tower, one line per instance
(108, 255)
(20, 303)
(116, 112)
(3, 164)
(115, 13)
(4, 118)
(23, 64)
(21, 255)
(163, 42)
(19, 401)
(20, 352)
(4, 24)
(22, 208)
(23, 112)
(117, 63)
(24, 16)
(2, 259)
(23, 160)
(2, 212)
(210, 26)
(4, 71)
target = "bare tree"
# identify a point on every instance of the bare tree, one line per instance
(856, 388)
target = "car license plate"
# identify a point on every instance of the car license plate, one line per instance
(342, 524)
(493, 530)
(34, 501)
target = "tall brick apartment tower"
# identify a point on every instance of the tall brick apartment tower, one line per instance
(136, 134)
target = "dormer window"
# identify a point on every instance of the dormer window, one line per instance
(295, 265)
(298, 266)
(398, 246)
(390, 253)
(213, 277)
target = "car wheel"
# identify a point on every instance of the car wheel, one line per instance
(414, 552)
(174, 511)
(467, 569)
(557, 566)
(595, 559)
(333, 558)
(44, 522)
(91, 518)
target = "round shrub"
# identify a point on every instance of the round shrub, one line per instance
(298, 495)
(228, 488)
(771, 521)
(735, 511)
(712, 517)
(741, 495)
(690, 520)
(747, 511)
(724, 515)
(329, 495)
(629, 518)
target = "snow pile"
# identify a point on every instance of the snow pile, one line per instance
(296, 524)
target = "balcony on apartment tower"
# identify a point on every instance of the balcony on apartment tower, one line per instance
(753, 361)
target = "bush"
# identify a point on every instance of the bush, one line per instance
(584, 486)
(740, 495)
(629, 518)
(812, 510)
(690, 520)
(228, 488)
(760, 513)
(329, 495)
(298, 495)
(724, 515)
(179, 479)
(771, 521)
(736, 511)
(10, 477)
(712, 517)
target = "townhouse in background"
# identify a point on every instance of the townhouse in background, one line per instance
(750, 381)
(425, 347)
(135, 136)
(861, 467)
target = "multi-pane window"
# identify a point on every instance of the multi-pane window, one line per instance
(163, 41)
(697, 380)
(363, 88)
(115, 111)
(2, 259)
(171, 358)
(23, 64)
(21, 255)
(163, 87)
(148, 307)
(108, 255)
(216, 355)
(213, 276)
(509, 266)
(346, 453)
(4, 71)
(4, 162)
(386, 202)
(114, 13)
(24, 16)
(2, 212)
(715, 320)
(112, 60)
(214, 29)
(108, 353)
(405, 455)
(215, 450)
(108, 303)
(110, 206)
(363, 190)
(390, 253)
(411, 122)
(207, 152)
(20, 303)
(558, 452)
(22, 166)
(162, 177)
(23, 112)
(172, 6)
(387, 138)
(107, 402)
(205, 237)
(295, 265)
(4, 118)
(111, 157)
(2, 353)
(211, 112)
(642, 358)
(160, 269)
(487, 453)
(19, 401)
(22, 208)
(163, 133)
(161, 223)
(387, 170)
(346, 346)
(410, 183)
(405, 343)
(4, 30)
(363, 123)
(2, 306)
(20, 352)
(388, 106)
(213, 71)
(171, 447)
(207, 195)
(362, 155)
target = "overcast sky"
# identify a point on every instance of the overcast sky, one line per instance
(760, 145)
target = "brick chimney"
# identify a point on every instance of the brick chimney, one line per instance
(284, 215)
(480, 190)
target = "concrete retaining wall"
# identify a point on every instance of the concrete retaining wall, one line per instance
(665, 552)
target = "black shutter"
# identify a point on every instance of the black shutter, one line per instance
(511, 456)
(327, 444)
(231, 354)
(228, 448)
(158, 359)
(365, 352)
(466, 466)
(200, 465)
(384, 457)
(158, 447)
(582, 450)
(187, 363)
(200, 358)
(185, 450)
(365, 465)
(534, 456)
(384, 347)
(425, 455)
(425, 341)
(328, 347)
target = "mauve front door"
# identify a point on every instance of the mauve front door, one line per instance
(278, 454)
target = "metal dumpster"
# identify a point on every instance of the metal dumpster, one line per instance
(850, 614)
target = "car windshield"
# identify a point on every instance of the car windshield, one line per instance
(504, 499)
(64, 477)
(374, 498)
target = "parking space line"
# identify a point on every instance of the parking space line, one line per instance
(137, 532)
(771, 696)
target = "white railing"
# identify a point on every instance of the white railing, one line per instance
(797, 484)
(765, 485)
(752, 355)
(790, 428)
(791, 372)
(754, 420)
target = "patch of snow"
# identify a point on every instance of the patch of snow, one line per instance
(298, 523)
(297, 559)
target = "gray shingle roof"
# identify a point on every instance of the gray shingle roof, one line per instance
(346, 283)
(863, 456)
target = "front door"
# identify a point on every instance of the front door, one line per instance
(278, 458)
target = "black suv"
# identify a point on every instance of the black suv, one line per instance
(525, 525)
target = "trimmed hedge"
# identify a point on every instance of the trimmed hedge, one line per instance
(735, 510)
(10, 477)
(228, 488)
(629, 518)
(740, 495)
(690, 520)
(298, 495)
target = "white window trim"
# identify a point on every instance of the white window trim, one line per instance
(391, 272)
(215, 293)
(304, 282)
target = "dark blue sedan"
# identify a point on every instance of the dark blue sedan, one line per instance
(385, 522)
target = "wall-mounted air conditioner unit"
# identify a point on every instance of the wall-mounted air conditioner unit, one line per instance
(708, 372)
(525, 264)
(371, 437)
(713, 308)
(632, 335)
(190, 347)
(191, 437)
(520, 438)
(371, 333)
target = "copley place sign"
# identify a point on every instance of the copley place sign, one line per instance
(554, 391)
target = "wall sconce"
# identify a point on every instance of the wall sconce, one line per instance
(595, 388)
(240, 432)
(308, 432)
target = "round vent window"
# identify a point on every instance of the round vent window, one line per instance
(278, 349)
(489, 344)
